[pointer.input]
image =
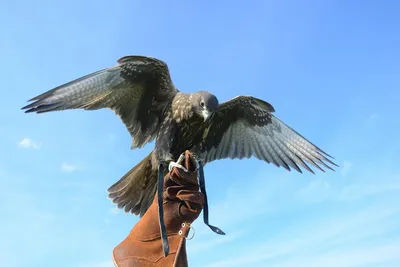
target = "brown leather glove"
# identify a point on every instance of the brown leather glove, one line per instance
(182, 205)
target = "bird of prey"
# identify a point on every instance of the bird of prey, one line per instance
(140, 91)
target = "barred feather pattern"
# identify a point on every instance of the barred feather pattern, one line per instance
(137, 89)
(245, 127)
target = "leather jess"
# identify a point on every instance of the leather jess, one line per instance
(182, 203)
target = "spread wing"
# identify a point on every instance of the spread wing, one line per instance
(245, 127)
(137, 89)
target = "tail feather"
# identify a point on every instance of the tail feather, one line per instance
(135, 191)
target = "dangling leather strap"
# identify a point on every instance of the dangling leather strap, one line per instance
(160, 184)
(202, 184)
(163, 229)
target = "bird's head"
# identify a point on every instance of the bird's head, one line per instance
(204, 104)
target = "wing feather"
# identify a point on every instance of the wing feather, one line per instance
(245, 127)
(137, 89)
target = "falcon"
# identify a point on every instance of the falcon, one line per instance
(140, 91)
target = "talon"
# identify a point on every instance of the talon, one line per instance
(176, 165)
(181, 158)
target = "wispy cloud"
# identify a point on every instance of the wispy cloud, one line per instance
(68, 167)
(337, 220)
(261, 190)
(356, 191)
(316, 191)
(29, 144)
(372, 119)
(43, 222)
(345, 239)
(115, 210)
(217, 240)
(346, 168)
(373, 116)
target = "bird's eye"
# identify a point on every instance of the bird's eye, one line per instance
(202, 103)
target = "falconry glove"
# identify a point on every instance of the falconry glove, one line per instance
(182, 204)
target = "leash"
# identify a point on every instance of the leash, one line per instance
(202, 184)
(163, 228)
(160, 190)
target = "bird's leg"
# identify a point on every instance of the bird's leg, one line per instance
(203, 191)
(160, 191)
(177, 164)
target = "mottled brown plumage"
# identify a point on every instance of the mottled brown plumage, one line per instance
(141, 92)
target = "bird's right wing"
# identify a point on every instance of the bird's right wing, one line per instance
(137, 89)
(245, 127)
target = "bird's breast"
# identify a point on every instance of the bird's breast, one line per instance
(189, 134)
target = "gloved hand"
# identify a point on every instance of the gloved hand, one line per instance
(182, 205)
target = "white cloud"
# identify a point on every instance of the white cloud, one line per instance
(356, 191)
(346, 239)
(217, 240)
(316, 191)
(29, 144)
(115, 210)
(346, 168)
(311, 234)
(353, 257)
(263, 189)
(372, 119)
(53, 232)
(67, 167)
(373, 116)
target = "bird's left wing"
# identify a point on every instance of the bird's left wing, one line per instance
(245, 127)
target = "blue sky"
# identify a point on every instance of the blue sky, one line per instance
(330, 69)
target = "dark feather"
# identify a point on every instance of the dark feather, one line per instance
(245, 127)
(134, 192)
(137, 89)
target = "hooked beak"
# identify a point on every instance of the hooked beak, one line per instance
(205, 114)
